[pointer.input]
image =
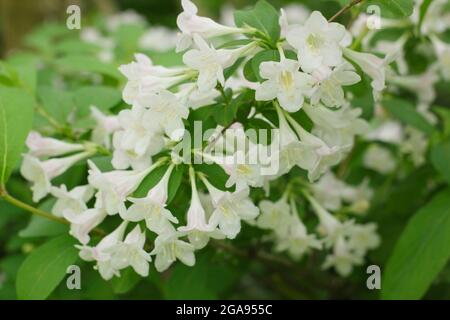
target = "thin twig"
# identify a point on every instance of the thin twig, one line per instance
(41, 213)
(344, 9)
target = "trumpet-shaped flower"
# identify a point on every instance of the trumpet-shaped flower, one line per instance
(102, 252)
(115, 186)
(41, 172)
(169, 248)
(49, 147)
(230, 209)
(330, 82)
(83, 222)
(275, 216)
(285, 83)
(106, 125)
(190, 23)
(152, 207)
(74, 200)
(131, 252)
(318, 42)
(342, 259)
(379, 159)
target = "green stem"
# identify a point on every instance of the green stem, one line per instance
(16, 202)
(41, 213)
(344, 9)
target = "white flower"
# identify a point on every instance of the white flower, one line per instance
(373, 66)
(105, 126)
(292, 151)
(229, 209)
(128, 17)
(242, 173)
(388, 131)
(421, 85)
(442, 50)
(190, 24)
(124, 158)
(297, 241)
(159, 39)
(131, 252)
(210, 62)
(318, 42)
(379, 159)
(328, 191)
(168, 113)
(152, 207)
(196, 216)
(168, 248)
(330, 82)
(83, 222)
(415, 144)
(321, 155)
(329, 225)
(190, 96)
(144, 79)
(115, 186)
(274, 216)
(363, 238)
(101, 253)
(342, 259)
(49, 147)
(41, 172)
(284, 82)
(139, 135)
(74, 200)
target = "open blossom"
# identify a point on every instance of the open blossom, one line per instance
(297, 241)
(115, 186)
(49, 147)
(230, 209)
(274, 216)
(284, 82)
(321, 155)
(130, 252)
(83, 222)
(198, 229)
(379, 159)
(105, 126)
(40, 173)
(102, 252)
(342, 259)
(74, 200)
(169, 248)
(421, 85)
(330, 82)
(190, 24)
(168, 113)
(318, 42)
(144, 79)
(373, 66)
(210, 62)
(152, 207)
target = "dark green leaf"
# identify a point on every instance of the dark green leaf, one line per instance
(421, 252)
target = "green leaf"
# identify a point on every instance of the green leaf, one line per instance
(394, 8)
(41, 227)
(440, 157)
(16, 118)
(45, 267)
(407, 113)
(423, 12)
(207, 279)
(175, 181)
(127, 281)
(263, 16)
(102, 97)
(58, 103)
(421, 252)
(83, 63)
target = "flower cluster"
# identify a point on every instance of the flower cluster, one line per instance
(312, 64)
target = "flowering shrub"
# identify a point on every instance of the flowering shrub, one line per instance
(283, 137)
